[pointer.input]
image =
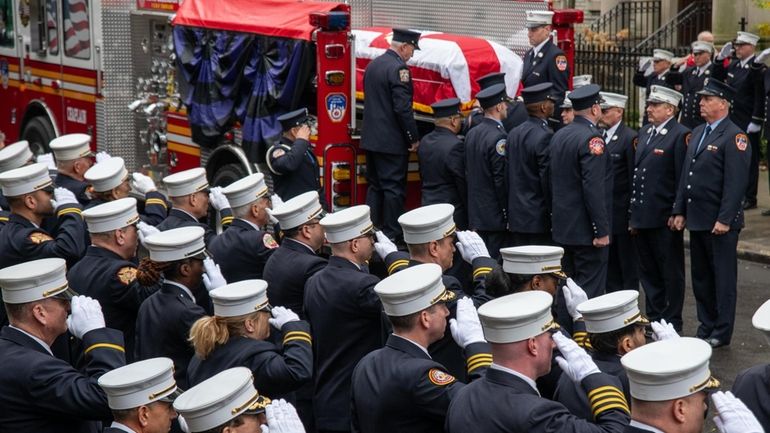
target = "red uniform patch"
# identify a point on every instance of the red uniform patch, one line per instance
(596, 146)
(561, 63)
(741, 142)
(269, 241)
(441, 378)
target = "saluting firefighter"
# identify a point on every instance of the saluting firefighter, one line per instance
(692, 82)
(620, 142)
(660, 153)
(581, 189)
(657, 71)
(708, 203)
(545, 62)
(762, 86)
(389, 131)
(73, 158)
(292, 161)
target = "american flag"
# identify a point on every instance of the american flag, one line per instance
(77, 36)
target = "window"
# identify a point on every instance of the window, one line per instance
(6, 24)
(52, 20)
(77, 35)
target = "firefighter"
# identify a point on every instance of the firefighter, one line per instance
(660, 152)
(517, 114)
(190, 196)
(581, 187)
(527, 152)
(244, 248)
(443, 152)
(389, 130)
(73, 158)
(692, 82)
(292, 162)
(763, 88)
(750, 384)
(567, 112)
(708, 203)
(620, 142)
(746, 110)
(12, 156)
(657, 71)
(545, 62)
(485, 170)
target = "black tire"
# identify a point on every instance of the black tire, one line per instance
(39, 132)
(224, 176)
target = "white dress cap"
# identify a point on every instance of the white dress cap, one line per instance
(246, 191)
(220, 399)
(347, 224)
(71, 146)
(176, 244)
(428, 223)
(140, 383)
(659, 54)
(612, 311)
(240, 299)
(567, 103)
(581, 80)
(15, 155)
(24, 180)
(761, 319)
(35, 280)
(186, 182)
(538, 18)
(702, 46)
(112, 215)
(106, 175)
(413, 289)
(613, 100)
(532, 259)
(669, 369)
(517, 317)
(662, 94)
(747, 38)
(299, 210)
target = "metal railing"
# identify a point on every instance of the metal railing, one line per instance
(627, 24)
(680, 31)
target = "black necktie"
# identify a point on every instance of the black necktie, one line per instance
(652, 136)
(705, 134)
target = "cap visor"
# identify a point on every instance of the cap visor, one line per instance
(706, 93)
(67, 294)
(172, 396)
(534, 25)
(446, 296)
(258, 406)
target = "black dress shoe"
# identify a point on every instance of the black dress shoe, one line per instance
(714, 343)
(749, 205)
(766, 212)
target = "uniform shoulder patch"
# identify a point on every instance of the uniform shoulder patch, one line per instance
(269, 241)
(39, 237)
(687, 139)
(500, 147)
(440, 378)
(561, 62)
(596, 146)
(404, 76)
(278, 152)
(741, 142)
(126, 274)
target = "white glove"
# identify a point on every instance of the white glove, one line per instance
(574, 295)
(102, 156)
(218, 199)
(662, 330)
(732, 414)
(276, 201)
(725, 52)
(212, 276)
(762, 56)
(646, 65)
(282, 418)
(471, 246)
(145, 230)
(64, 196)
(270, 216)
(143, 183)
(574, 361)
(466, 328)
(182, 424)
(47, 159)
(383, 246)
(753, 127)
(86, 315)
(282, 316)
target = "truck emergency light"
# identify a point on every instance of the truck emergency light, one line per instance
(564, 17)
(335, 78)
(330, 20)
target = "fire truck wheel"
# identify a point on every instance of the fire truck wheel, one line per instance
(39, 132)
(228, 174)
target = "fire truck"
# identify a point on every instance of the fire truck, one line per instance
(171, 84)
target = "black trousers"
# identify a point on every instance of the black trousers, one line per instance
(587, 265)
(623, 264)
(494, 241)
(661, 269)
(521, 239)
(386, 176)
(751, 189)
(714, 270)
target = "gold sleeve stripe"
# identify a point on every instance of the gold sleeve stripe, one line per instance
(227, 220)
(621, 406)
(300, 333)
(105, 346)
(397, 264)
(297, 338)
(481, 271)
(69, 210)
(602, 389)
(155, 201)
(478, 355)
(4, 218)
(480, 363)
